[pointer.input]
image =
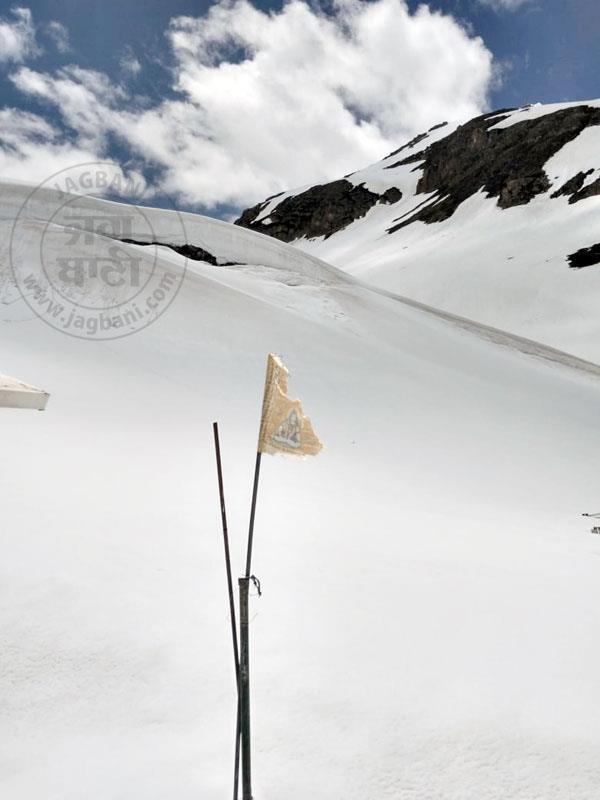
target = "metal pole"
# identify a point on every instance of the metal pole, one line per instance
(245, 690)
(244, 684)
(236, 656)
(252, 512)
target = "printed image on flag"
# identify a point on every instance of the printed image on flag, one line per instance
(284, 428)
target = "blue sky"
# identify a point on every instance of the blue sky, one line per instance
(120, 80)
(548, 46)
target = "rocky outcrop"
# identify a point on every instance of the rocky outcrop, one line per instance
(391, 196)
(587, 191)
(188, 250)
(573, 185)
(507, 163)
(319, 211)
(414, 142)
(517, 191)
(586, 257)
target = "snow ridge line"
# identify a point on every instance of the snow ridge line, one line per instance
(231, 237)
(497, 336)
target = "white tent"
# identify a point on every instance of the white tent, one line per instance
(16, 394)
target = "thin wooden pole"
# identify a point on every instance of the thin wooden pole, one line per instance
(236, 657)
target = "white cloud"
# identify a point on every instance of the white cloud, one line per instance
(129, 63)
(304, 96)
(17, 36)
(273, 100)
(505, 5)
(32, 150)
(30, 147)
(84, 98)
(59, 35)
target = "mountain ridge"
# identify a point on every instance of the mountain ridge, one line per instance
(513, 171)
(490, 220)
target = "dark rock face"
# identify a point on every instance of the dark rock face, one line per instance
(189, 251)
(414, 142)
(586, 257)
(507, 163)
(517, 191)
(391, 196)
(437, 127)
(573, 185)
(319, 211)
(588, 191)
(576, 191)
(409, 145)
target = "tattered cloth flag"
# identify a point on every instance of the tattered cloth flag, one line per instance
(16, 394)
(283, 426)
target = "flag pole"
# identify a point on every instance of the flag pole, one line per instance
(252, 513)
(234, 638)
(244, 682)
(284, 428)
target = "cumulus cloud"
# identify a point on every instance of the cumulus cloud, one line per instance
(59, 35)
(17, 36)
(267, 101)
(301, 96)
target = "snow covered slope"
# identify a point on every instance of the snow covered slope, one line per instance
(481, 221)
(429, 620)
